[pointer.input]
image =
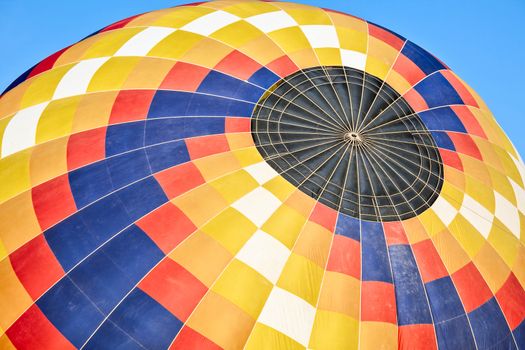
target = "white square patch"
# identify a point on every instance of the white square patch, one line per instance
(210, 23)
(353, 59)
(288, 314)
(265, 255)
(272, 21)
(520, 195)
(142, 43)
(262, 172)
(321, 36)
(477, 215)
(520, 166)
(77, 78)
(444, 210)
(258, 205)
(507, 213)
(20, 132)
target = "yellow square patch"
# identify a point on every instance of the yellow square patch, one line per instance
(306, 14)
(207, 53)
(14, 299)
(381, 57)
(112, 74)
(108, 43)
(239, 140)
(262, 49)
(176, 17)
(248, 9)
(43, 86)
(340, 293)
(244, 287)
(290, 39)
(221, 321)
(415, 230)
(201, 204)
(450, 251)
(48, 161)
(14, 174)
(468, 237)
(203, 256)
(231, 229)
(333, 330)
(176, 45)
(57, 119)
(247, 156)
(148, 73)
(237, 34)
(302, 277)
(264, 338)
(93, 111)
(480, 192)
(493, 269)
(281, 188)
(18, 222)
(285, 225)
(314, 243)
(214, 166)
(377, 335)
(351, 39)
(505, 243)
(235, 185)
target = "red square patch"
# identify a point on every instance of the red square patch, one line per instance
(451, 158)
(36, 266)
(238, 124)
(465, 145)
(394, 233)
(386, 36)
(34, 331)
(430, 264)
(179, 179)
(282, 66)
(119, 24)
(131, 105)
(167, 226)
(47, 63)
(378, 302)
(511, 299)
(471, 287)
(53, 201)
(460, 88)
(415, 100)
(188, 339)
(324, 216)
(203, 146)
(184, 77)
(238, 65)
(417, 336)
(469, 121)
(174, 288)
(345, 256)
(408, 70)
(86, 147)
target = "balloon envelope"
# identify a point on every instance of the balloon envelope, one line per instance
(259, 175)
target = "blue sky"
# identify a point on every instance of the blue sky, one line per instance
(481, 40)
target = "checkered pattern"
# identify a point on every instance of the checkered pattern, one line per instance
(135, 210)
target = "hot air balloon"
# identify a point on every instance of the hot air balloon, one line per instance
(256, 175)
